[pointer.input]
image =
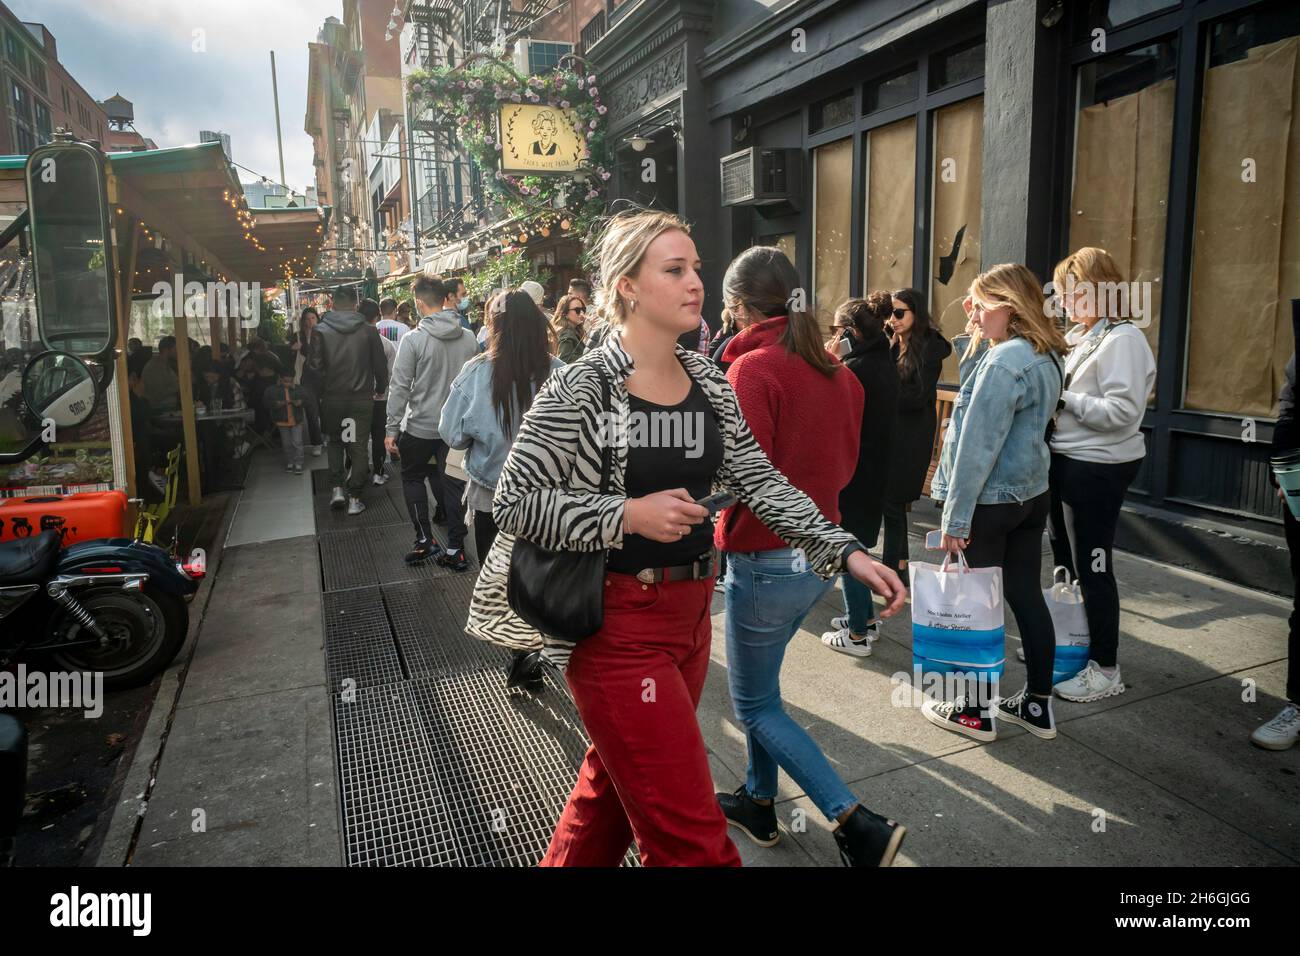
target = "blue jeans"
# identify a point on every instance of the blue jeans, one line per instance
(767, 600)
(857, 604)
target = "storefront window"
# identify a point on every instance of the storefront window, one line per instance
(787, 243)
(957, 65)
(890, 91)
(1108, 14)
(831, 112)
(1122, 141)
(1246, 247)
(958, 136)
(891, 205)
(832, 227)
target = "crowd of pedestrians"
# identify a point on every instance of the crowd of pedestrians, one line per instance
(791, 457)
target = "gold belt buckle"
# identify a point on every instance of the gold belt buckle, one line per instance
(646, 576)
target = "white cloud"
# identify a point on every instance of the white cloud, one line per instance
(143, 49)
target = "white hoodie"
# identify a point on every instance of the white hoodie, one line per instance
(1102, 417)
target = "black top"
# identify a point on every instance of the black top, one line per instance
(669, 447)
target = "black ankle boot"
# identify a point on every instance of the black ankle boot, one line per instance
(868, 839)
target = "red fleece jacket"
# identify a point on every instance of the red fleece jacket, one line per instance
(808, 425)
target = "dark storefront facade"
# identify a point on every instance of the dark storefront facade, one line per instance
(888, 143)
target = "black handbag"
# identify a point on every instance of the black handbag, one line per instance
(562, 593)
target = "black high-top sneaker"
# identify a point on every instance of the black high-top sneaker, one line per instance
(1032, 713)
(751, 818)
(961, 716)
(868, 839)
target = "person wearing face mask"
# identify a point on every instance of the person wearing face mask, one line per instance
(993, 481)
(646, 775)
(1097, 449)
(462, 300)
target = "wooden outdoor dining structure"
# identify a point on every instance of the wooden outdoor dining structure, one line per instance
(182, 212)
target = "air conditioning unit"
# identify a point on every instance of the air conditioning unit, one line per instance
(760, 176)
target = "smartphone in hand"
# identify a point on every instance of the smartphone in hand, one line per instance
(934, 539)
(717, 501)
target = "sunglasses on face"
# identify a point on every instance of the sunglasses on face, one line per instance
(578, 308)
(899, 313)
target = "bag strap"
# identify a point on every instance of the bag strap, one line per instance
(606, 409)
(1096, 344)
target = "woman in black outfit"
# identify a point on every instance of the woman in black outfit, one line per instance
(919, 350)
(861, 322)
(308, 378)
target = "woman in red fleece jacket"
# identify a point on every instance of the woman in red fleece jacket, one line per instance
(805, 411)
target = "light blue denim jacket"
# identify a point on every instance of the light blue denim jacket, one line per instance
(993, 451)
(469, 421)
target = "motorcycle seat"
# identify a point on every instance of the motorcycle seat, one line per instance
(29, 560)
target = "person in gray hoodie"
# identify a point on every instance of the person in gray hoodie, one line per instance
(348, 358)
(428, 359)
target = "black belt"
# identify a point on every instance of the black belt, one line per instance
(705, 566)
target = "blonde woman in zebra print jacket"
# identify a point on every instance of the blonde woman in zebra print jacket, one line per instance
(646, 775)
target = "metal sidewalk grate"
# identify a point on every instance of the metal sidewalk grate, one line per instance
(379, 511)
(358, 641)
(393, 807)
(430, 630)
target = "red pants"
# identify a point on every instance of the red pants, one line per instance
(637, 683)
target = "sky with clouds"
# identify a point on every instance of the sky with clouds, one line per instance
(145, 50)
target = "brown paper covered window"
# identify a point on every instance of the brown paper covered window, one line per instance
(891, 205)
(832, 223)
(955, 225)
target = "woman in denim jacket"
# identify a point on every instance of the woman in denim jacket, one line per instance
(992, 480)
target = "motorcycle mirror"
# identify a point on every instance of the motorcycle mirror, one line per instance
(60, 387)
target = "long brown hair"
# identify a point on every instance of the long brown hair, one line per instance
(762, 278)
(519, 347)
(561, 317)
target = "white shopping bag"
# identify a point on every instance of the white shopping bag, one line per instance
(1065, 603)
(456, 464)
(957, 617)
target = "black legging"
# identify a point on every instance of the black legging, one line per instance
(1010, 536)
(894, 517)
(1086, 498)
(485, 532)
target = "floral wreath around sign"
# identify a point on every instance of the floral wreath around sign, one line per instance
(471, 96)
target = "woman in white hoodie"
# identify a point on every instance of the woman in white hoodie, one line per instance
(1097, 449)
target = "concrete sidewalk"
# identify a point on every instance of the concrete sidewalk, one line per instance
(1166, 767)
(246, 775)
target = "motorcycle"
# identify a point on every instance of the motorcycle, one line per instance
(114, 606)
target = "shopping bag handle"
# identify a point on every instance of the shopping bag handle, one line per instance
(1059, 570)
(963, 567)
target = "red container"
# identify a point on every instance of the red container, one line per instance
(81, 517)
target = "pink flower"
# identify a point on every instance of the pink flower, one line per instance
(592, 79)
(605, 175)
(602, 109)
(564, 104)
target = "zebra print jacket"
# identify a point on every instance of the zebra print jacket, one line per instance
(549, 491)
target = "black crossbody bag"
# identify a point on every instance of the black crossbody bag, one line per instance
(562, 593)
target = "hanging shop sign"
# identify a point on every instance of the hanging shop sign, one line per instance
(539, 139)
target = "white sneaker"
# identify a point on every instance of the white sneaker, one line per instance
(1281, 732)
(316, 450)
(288, 466)
(356, 506)
(1020, 653)
(1090, 684)
(842, 641)
(380, 479)
(337, 498)
(841, 623)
